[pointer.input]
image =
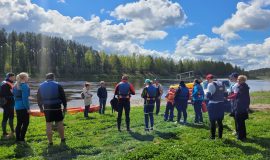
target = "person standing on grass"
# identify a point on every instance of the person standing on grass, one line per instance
(21, 93)
(170, 105)
(123, 90)
(241, 109)
(233, 90)
(102, 95)
(87, 97)
(8, 107)
(149, 94)
(181, 101)
(50, 97)
(216, 95)
(160, 92)
(197, 99)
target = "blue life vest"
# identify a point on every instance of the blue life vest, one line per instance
(49, 91)
(151, 92)
(200, 92)
(17, 94)
(124, 88)
(181, 94)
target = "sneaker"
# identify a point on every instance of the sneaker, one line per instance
(151, 128)
(211, 137)
(63, 141)
(146, 129)
(50, 144)
(128, 129)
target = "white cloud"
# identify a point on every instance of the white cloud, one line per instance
(249, 16)
(61, 1)
(125, 37)
(249, 56)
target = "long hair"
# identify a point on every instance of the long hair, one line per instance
(19, 78)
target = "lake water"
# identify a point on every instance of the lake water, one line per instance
(74, 88)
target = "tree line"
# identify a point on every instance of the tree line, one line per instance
(37, 54)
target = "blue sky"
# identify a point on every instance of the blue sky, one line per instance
(231, 31)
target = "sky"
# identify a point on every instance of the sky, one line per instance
(222, 30)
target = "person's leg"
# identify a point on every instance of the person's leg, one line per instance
(200, 111)
(166, 114)
(25, 124)
(240, 125)
(151, 114)
(146, 117)
(104, 105)
(127, 111)
(196, 112)
(49, 131)
(4, 120)
(86, 111)
(185, 111)
(213, 129)
(11, 118)
(171, 112)
(220, 128)
(177, 105)
(119, 117)
(61, 129)
(100, 106)
(244, 130)
(235, 124)
(157, 106)
(19, 125)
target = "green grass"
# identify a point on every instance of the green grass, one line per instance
(98, 138)
(261, 97)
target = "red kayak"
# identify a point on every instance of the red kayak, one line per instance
(70, 110)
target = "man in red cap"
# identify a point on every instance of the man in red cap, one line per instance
(123, 90)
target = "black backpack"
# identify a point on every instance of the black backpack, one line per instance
(114, 103)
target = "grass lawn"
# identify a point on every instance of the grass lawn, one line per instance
(261, 97)
(98, 138)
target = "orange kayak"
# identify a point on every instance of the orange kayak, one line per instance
(70, 110)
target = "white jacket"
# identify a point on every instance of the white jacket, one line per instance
(87, 97)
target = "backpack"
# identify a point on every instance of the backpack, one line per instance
(82, 95)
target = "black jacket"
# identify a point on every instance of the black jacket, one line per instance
(6, 92)
(102, 92)
(242, 99)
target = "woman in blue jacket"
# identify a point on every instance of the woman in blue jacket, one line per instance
(197, 98)
(21, 93)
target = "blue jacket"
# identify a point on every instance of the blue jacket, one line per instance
(21, 97)
(181, 94)
(197, 93)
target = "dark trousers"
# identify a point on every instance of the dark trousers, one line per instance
(22, 124)
(157, 105)
(241, 127)
(8, 115)
(86, 110)
(198, 111)
(148, 113)
(169, 111)
(181, 107)
(213, 128)
(102, 104)
(123, 104)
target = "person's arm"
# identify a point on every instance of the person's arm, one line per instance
(194, 91)
(160, 90)
(116, 90)
(63, 97)
(211, 89)
(132, 90)
(39, 100)
(144, 93)
(25, 95)
(106, 93)
(98, 93)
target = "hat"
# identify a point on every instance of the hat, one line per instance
(209, 76)
(234, 75)
(8, 75)
(147, 81)
(50, 76)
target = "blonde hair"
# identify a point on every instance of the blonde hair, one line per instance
(19, 78)
(242, 78)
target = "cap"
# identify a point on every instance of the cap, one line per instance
(209, 76)
(147, 81)
(102, 82)
(234, 75)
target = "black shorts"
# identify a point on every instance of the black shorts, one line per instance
(53, 115)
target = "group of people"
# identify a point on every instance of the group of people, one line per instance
(51, 97)
(15, 95)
